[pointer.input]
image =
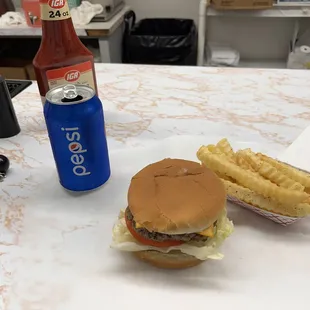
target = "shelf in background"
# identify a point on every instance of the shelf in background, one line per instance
(291, 10)
(261, 64)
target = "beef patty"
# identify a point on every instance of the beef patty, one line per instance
(156, 236)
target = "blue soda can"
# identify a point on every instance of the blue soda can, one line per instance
(76, 129)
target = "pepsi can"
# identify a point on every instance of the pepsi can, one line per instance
(75, 124)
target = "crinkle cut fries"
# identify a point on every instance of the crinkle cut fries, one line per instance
(259, 180)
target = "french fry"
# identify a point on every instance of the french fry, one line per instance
(249, 179)
(213, 149)
(216, 150)
(254, 199)
(225, 147)
(244, 164)
(225, 177)
(293, 173)
(259, 180)
(269, 172)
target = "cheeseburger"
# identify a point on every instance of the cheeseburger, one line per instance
(176, 215)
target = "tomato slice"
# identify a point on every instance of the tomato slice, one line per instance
(141, 239)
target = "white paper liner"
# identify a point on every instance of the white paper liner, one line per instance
(277, 218)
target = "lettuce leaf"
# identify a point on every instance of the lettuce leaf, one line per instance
(124, 241)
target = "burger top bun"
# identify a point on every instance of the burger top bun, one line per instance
(175, 196)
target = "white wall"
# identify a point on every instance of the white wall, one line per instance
(165, 8)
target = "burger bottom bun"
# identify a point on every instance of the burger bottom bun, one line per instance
(171, 260)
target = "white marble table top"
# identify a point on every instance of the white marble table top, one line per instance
(144, 104)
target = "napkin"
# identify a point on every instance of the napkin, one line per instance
(12, 19)
(298, 153)
(83, 14)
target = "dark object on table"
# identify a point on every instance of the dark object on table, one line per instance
(4, 166)
(16, 86)
(165, 41)
(8, 122)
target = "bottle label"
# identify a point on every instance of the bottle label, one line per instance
(54, 10)
(79, 74)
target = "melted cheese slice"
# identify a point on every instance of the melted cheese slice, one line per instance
(209, 232)
(138, 225)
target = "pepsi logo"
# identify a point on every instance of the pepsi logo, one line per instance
(56, 4)
(77, 151)
(72, 76)
(74, 147)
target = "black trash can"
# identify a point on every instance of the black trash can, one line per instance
(159, 41)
